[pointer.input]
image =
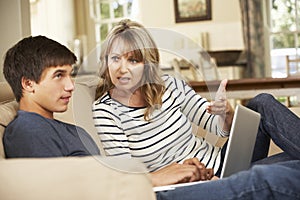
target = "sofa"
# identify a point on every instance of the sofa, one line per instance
(69, 178)
(74, 178)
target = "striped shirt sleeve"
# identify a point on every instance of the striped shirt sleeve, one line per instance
(108, 126)
(194, 107)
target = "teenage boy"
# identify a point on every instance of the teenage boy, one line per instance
(39, 70)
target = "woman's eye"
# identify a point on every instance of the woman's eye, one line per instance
(115, 58)
(133, 61)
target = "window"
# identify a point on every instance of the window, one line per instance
(284, 34)
(108, 12)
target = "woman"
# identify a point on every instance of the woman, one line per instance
(139, 113)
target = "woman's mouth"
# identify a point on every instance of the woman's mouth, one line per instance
(124, 80)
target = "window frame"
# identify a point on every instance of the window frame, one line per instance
(278, 55)
(95, 14)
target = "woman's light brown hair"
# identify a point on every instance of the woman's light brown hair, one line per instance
(139, 41)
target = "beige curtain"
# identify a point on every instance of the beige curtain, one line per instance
(253, 32)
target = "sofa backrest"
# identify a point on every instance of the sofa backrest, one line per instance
(6, 93)
(82, 100)
(8, 112)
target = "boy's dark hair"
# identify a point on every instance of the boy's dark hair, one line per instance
(30, 57)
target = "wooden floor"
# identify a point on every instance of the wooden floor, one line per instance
(274, 149)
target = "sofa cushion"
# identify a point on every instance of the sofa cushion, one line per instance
(8, 112)
(72, 178)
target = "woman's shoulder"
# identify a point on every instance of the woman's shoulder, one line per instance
(104, 99)
(167, 78)
(173, 82)
(105, 104)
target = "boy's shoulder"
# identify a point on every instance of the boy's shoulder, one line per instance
(26, 119)
(31, 123)
(26, 131)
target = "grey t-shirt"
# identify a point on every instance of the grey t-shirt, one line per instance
(32, 135)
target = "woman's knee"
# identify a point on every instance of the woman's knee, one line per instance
(261, 100)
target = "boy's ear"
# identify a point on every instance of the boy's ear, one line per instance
(27, 84)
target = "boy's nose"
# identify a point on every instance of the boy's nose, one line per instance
(69, 86)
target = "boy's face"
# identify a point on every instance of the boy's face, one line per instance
(53, 92)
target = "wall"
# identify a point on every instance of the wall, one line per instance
(14, 23)
(54, 19)
(224, 30)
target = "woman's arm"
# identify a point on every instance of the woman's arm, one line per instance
(215, 116)
(110, 131)
(191, 170)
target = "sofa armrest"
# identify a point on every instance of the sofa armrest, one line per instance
(70, 178)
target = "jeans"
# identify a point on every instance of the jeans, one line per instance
(280, 179)
(278, 123)
(262, 182)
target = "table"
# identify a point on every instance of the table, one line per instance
(250, 87)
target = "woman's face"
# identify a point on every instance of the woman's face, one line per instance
(125, 70)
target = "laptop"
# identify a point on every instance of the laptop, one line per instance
(239, 148)
(241, 141)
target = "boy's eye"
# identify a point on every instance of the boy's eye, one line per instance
(58, 75)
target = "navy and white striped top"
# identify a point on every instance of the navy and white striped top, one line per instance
(167, 137)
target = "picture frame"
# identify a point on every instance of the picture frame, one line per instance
(192, 10)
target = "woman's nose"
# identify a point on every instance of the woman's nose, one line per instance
(123, 66)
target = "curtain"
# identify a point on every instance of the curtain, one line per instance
(253, 34)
